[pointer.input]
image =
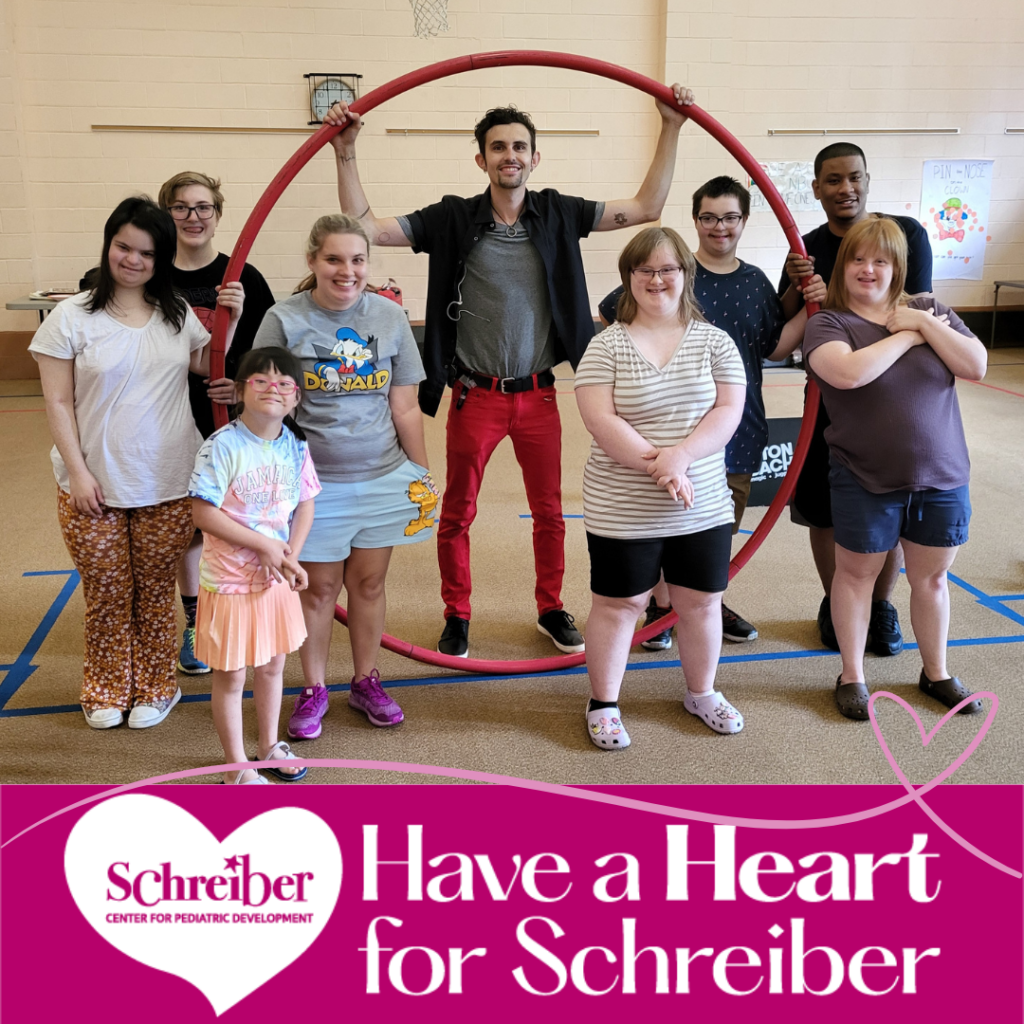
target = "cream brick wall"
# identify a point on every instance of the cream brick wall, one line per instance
(82, 63)
(16, 242)
(67, 64)
(880, 63)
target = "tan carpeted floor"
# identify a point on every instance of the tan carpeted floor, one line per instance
(533, 726)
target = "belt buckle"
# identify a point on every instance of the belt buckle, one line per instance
(502, 381)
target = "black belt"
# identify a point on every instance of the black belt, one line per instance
(509, 385)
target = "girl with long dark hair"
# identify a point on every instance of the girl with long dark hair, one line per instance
(114, 365)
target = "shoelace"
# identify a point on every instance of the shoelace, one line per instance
(372, 689)
(308, 701)
(887, 619)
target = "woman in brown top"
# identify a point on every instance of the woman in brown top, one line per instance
(887, 369)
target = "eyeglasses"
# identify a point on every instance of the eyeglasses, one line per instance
(665, 273)
(204, 211)
(282, 387)
(709, 220)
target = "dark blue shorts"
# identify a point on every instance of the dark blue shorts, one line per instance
(868, 523)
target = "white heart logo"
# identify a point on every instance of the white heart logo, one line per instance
(157, 885)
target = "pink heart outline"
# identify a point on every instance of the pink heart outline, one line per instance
(918, 793)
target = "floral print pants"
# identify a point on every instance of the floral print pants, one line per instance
(127, 559)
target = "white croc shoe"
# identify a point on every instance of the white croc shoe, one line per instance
(605, 729)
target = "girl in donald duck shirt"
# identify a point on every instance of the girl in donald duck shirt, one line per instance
(359, 410)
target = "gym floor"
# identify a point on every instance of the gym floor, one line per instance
(532, 726)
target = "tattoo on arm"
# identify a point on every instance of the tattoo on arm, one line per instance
(364, 213)
(383, 238)
(621, 219)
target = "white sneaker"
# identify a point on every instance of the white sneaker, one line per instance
(145, 716)
(104, 718)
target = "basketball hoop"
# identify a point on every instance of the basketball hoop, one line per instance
(431, 17)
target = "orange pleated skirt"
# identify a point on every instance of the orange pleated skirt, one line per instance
(234, 631)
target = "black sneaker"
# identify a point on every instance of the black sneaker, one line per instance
(660, 641)
(825, 627)
(885, 638)
(736, 628)
(455, 639)
(561, 627)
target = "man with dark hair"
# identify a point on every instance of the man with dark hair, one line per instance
(738, 298)
(506, 300)
(840, 184)
(503, 115)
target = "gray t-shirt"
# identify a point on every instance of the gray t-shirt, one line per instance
(901, 432)
(503, 308)
(350, 358)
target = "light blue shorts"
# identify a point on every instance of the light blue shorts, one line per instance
(391, 510)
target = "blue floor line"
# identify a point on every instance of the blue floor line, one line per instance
(993, 604)
(23, 667)
(201, 698)
(564, 516)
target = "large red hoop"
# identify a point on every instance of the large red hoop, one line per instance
(572, 62)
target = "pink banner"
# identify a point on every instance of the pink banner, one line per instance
(510, 902)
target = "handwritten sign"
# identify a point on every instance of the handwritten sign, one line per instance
(954, 211)
(793, 180)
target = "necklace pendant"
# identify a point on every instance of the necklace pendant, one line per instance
(510, 230)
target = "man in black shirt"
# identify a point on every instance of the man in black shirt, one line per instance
(841, 182)
(506, 301)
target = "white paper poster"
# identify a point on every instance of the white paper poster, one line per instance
(793, 180)
(954, 211)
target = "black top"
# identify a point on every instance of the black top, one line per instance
(200, 290)
(448, 230)
(823, 245)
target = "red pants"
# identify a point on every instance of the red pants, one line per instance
(531, 419)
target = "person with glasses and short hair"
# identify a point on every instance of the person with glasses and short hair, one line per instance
(738, 298)
(661, 391)
(195, 202)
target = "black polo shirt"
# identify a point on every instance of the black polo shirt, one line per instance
(448, 230)
(823, 245)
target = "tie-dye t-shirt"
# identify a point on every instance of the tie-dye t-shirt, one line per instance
(259, 484)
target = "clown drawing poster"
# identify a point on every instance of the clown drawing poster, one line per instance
(954, 211)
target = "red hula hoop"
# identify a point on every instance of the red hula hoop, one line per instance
(572, 62)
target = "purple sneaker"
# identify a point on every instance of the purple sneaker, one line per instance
(310, 707)
(369, 697)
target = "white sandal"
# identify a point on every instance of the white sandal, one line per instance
(237, 780)
(605, 729)
(281, 751)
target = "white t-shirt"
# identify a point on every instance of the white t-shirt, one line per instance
(663, 406)
(135, 426)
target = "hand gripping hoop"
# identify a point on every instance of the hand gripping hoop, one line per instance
(572, 62)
